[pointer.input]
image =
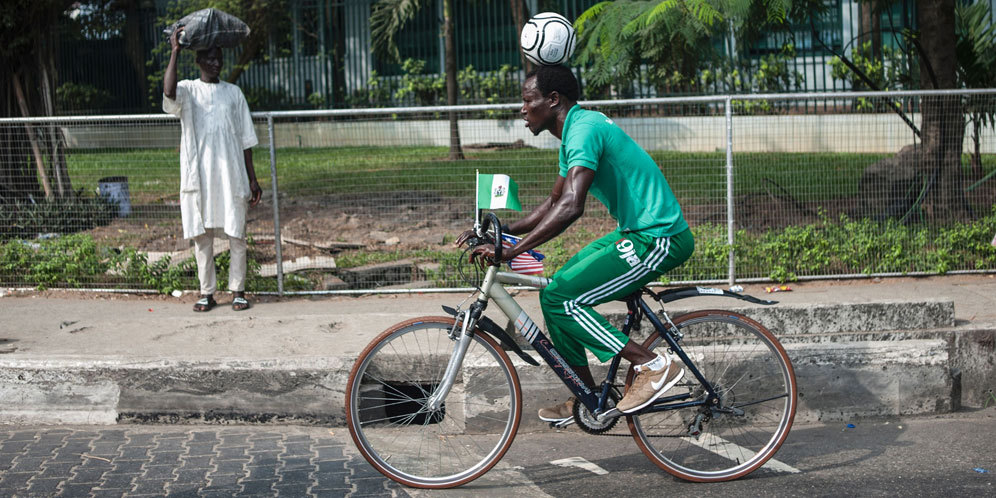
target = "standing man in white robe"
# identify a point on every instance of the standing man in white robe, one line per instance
(217, 178)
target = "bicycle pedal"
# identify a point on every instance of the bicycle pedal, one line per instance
(613, 413)
(562, 423)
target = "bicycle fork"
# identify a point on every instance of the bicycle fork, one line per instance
(462, 338)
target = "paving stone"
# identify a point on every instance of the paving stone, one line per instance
(113, 435)
(27, 464)
(191, 476)
(105, 449)
(23, 436)
(261, 487)
(259, 445)
(200, 449)
(44, 486)
(296, 462)
(294, 490)
(122, 466)
(225, 480)
(53, 469)
(158, 472)
(88, 474)
(141, 439)
(295, 476)
(176, 445)
(166, 458)
(232, 453)
(297, 449)
(230, 467)
(134, 453)
(70, 490)
(368, 486)
(205, 436)
(11, 482)
(150, 486)
(363, 470)
(226, 492)
(120, 481)
(234, 440)
(197, 462)
(262, 471)
(14, 447)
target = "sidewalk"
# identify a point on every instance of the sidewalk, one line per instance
(61, 341)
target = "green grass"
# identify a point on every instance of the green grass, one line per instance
(697, 177)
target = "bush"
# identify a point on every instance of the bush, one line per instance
(26, 219)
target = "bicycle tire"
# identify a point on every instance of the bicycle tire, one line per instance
(385, 405)
(751, 371)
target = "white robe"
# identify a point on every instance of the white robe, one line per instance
(216, 128)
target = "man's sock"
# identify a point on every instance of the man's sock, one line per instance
(655, 364)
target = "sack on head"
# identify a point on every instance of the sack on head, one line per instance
(209, 28)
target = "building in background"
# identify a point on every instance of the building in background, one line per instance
(321, 57)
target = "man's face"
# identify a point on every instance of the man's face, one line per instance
(537, 110)
(210, 62)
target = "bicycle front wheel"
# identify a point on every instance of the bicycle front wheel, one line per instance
(753, 377)
(392, 426)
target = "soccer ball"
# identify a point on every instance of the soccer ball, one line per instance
(548, 39)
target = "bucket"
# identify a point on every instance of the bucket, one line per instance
(115, 189)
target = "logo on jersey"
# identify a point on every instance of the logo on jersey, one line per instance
(627, 252)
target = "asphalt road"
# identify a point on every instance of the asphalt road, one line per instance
(951, 455)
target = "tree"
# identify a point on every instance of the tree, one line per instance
(673, 38)
(940, 53)
(977, 68)
(29, 31)
(387, 19)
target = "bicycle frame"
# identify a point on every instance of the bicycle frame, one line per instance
(492, 290)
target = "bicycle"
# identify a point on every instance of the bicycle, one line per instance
(435, 402)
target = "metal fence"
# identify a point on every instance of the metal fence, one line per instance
(775, 187)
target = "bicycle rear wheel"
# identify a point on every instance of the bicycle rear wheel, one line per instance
(389, 421)
(755, 382)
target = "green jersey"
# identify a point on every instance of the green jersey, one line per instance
(627, 180)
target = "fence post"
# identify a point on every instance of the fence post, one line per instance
(277, 243)
(729, 186)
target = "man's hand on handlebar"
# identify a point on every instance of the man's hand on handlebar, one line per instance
(483, 251)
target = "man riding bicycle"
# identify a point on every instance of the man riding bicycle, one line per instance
(652, 236)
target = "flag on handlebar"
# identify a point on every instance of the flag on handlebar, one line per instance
(497, 192)
(527, 263)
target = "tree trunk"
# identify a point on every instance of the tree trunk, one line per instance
(250, 52)
(46, 68)
(456, 151)
(520, 16)
(39, 162)
(134, 48)
(976, 150)
(943, 117)
(338, 56)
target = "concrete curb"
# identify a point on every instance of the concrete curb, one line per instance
(851, 360)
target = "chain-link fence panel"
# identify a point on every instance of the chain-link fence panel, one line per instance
(376, 200)
(793, 186)
(94, 203)
(885, 184)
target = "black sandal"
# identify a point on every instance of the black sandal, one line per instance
(240, 303)
(205, 303)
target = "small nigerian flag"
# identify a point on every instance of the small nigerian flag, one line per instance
(497, 192)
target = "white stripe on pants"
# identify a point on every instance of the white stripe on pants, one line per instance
(204, 250)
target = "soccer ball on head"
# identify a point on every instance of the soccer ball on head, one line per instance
(548, 39)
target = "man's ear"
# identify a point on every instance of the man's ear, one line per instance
(554, 99)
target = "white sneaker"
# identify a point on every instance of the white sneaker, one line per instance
(558, 413)
(648, 386)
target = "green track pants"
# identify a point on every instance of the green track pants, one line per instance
(609, 268)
